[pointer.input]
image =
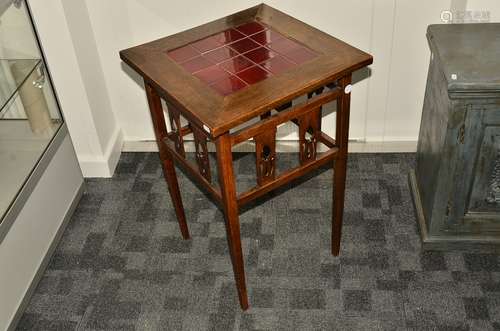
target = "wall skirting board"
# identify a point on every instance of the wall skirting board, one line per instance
(409, 146)
(103, 165)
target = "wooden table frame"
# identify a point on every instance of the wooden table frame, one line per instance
(213, 116)
(171, 149)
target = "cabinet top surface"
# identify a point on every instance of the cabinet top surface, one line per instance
(469, 55)
(227, 71)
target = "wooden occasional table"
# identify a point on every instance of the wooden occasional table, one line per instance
(243, 67)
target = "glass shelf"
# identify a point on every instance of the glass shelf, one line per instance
(13, 74)
(28, 121)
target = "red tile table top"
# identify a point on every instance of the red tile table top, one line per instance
(225, 72)
(238, 57)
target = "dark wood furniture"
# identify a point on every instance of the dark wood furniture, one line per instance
(456, 182)
(225, 73)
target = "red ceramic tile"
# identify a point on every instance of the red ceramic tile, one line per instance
(277, 64)
(229, 36)
(228, 85)
(182, 54)
(211, 74)
(236, 64)
(227, 61)
(253, 75)
(220, 54)
(206, 44)
(244, 45)
(284, 45)
(301, 55)
(250, 28)
(196, 64)
(266, 37)
(260, 54)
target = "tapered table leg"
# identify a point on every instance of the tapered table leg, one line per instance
(167, 163)
(228, 190)
(340, 166)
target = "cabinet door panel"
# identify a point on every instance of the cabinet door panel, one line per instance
(481, 206)
(485, 195)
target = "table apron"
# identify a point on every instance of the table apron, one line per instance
(285, 116)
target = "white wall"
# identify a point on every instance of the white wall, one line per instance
(386, 107)
(119, 24)
(407, 72)
(493, 6)
(69, 45)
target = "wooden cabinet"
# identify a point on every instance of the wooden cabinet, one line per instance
(456, 181)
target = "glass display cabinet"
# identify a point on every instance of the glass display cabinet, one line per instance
(40, 179)
(29, 114)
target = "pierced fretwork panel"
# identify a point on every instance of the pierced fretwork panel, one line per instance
(175, 124)
(200, 141)
(485, 191)
(493, 195)
(309, 129)
(265, 155)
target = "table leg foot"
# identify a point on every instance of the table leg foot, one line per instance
(338, 203)
(234, 241)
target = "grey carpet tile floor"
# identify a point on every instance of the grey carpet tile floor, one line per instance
(122, 264)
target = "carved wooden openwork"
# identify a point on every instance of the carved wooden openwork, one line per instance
(265, 154)
(309, 128)
(493, 195)
(176, 134)
(200, 141)
(306, 115)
